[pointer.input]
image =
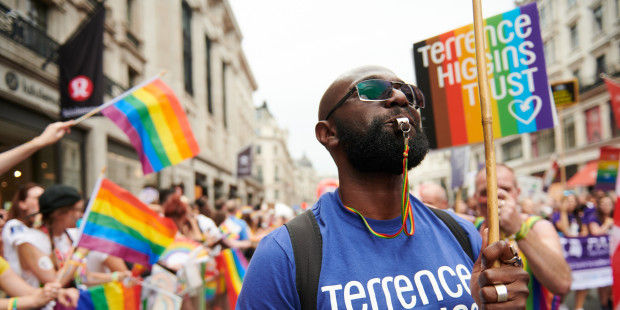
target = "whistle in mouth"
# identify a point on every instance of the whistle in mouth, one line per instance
(403, 124)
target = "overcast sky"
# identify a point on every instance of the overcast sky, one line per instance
(297, 48)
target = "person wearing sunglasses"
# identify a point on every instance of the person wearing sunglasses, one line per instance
(379, 247)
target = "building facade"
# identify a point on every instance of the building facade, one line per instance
(306, 181)
(581, 40)
(273, 164)
(196, 43)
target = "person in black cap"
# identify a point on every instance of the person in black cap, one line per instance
(47, 249)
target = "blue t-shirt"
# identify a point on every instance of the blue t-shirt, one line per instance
(234, 228)
(428, 270)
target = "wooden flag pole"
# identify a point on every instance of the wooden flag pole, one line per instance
(116, 99)
(487, 126)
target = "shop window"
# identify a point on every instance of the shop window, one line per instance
(259, 173)
(187, 48)
(569, 132)
(574, 37)
(37, 12)
(232, 192)
(132, 76)
(600, 67)
(209, 47)
(71, 163)
(512, 150)
(224, 103)
(598, 18)
(549, 51)
(543, 142)
(218, 188)
(124, 168)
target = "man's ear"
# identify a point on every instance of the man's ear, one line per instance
(326, 134)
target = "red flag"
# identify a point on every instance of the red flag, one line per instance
(550, 173)
(614, 93)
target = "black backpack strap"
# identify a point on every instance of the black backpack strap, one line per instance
(308, 251)
(456, 229)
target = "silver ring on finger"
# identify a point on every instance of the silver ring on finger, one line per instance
(515, 261)
(502, 292)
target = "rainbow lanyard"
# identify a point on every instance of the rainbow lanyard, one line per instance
(405, 208)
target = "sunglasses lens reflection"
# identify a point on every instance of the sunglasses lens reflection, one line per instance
(371, 90)
(374, 89)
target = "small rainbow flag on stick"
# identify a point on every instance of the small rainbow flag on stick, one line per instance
(111, 295)
(155, 123)
(232, 264)
(118, 223)
(608, 164)
(180, 251)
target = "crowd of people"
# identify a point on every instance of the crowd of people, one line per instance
(40, 228)
(368, 243)
(39, 266)
(578, 212)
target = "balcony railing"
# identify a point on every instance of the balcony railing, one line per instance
(111, 88)
(609, 70)
(22, 31)
(132, 38)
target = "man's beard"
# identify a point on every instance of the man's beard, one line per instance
(379, 149)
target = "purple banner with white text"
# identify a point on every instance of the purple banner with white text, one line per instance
(588, 258)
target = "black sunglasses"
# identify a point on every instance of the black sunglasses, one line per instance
(379, 90)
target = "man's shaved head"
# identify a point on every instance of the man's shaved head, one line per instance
(435, 195)
(365, 132)
(346, 81)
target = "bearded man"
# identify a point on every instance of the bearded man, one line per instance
(380, 247)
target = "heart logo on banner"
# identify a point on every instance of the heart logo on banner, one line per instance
(526, 108)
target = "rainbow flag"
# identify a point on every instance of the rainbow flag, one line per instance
(156, 125)
(118, 223)
(445, 68)
(182, 246)
(608, 165)
(111, 295)
(232, 264)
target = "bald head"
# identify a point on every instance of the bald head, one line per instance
(434, 195)
(506, 181)
(345, 82)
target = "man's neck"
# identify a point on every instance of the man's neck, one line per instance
(375, 195)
